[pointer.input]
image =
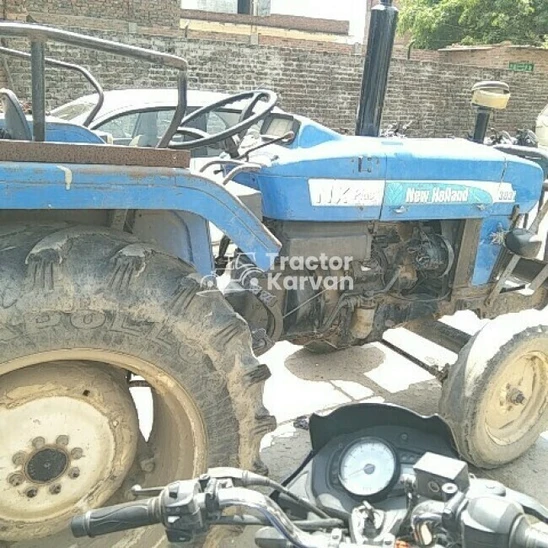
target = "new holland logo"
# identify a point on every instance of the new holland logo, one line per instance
(436, 195)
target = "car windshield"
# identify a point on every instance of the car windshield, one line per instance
(73, 110)
(144, 128)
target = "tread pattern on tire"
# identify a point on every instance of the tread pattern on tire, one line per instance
(467, 376)
(67, 286)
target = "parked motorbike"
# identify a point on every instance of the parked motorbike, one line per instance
(377, 475)
(523, 138)
(397, 130)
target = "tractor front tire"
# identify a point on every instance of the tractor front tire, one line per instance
(495, 398)
(86, 315)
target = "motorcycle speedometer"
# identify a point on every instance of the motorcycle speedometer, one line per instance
(368, 467)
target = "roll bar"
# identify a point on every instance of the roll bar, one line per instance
(39, 35)
(69, 66)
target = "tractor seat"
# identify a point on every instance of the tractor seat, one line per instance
(16, 124)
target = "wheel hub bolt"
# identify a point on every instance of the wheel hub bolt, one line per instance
(55, 489)
(77, 453)
(16, 479)
(516, 396)
(74, 473)
(62, 440)
(31, 492)
(19, 458)
(38, 442)
(147, 465)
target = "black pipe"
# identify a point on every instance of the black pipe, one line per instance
(382, 32)
(482, 124)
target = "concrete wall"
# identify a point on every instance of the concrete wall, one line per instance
(224, 6)
(353, 11)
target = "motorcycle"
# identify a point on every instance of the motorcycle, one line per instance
(397, 130)
(524, 138)
(377, 475)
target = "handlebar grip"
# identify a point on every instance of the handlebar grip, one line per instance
(116, 518)
(536, 538)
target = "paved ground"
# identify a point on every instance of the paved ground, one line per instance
(302, 383)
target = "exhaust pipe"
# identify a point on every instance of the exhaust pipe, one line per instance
(382, 32)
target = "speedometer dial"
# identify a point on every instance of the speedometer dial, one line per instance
(368, 467)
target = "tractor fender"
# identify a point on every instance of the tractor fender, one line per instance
(195, 200)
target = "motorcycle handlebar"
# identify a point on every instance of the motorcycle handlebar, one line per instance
(482, 521)
(117, 518)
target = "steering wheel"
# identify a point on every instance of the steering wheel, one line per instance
(247, 119)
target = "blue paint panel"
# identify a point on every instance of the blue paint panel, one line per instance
(488, 250)
(64, 132)
(444, 159)
(319, 153)
(45, 186)
(527, 179)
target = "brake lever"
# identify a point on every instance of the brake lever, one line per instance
(530, 505)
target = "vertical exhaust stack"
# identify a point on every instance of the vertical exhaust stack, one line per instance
(382, 32)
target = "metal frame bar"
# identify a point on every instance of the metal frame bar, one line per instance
(436, 372)
(440, 333)
(39, 35)
(38, 69)
(69, 66)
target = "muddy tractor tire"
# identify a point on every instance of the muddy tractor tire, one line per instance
(91, 322)
(495, 398)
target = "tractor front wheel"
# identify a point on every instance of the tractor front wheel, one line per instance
(496, 396)
(117, 368)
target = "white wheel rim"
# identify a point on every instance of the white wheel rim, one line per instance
(69, 451)
(177, 428)
(518, 398)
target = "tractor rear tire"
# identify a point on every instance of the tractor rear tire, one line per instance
(84, 310)
(495, 398)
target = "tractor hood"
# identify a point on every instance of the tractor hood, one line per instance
(330, 177)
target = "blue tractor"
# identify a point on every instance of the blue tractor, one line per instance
(109, 283)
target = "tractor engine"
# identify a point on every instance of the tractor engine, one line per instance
(341, 287)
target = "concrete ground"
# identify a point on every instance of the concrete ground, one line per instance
(302, 383)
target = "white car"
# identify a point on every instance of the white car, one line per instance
(139, 117)
(542, 128)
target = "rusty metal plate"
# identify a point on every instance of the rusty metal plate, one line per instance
(78, 153)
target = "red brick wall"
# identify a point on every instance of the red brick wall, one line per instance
(147, 12)
(497, 57)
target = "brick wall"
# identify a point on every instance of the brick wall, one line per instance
(497, 56)
(321, 84)
(146, 12)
